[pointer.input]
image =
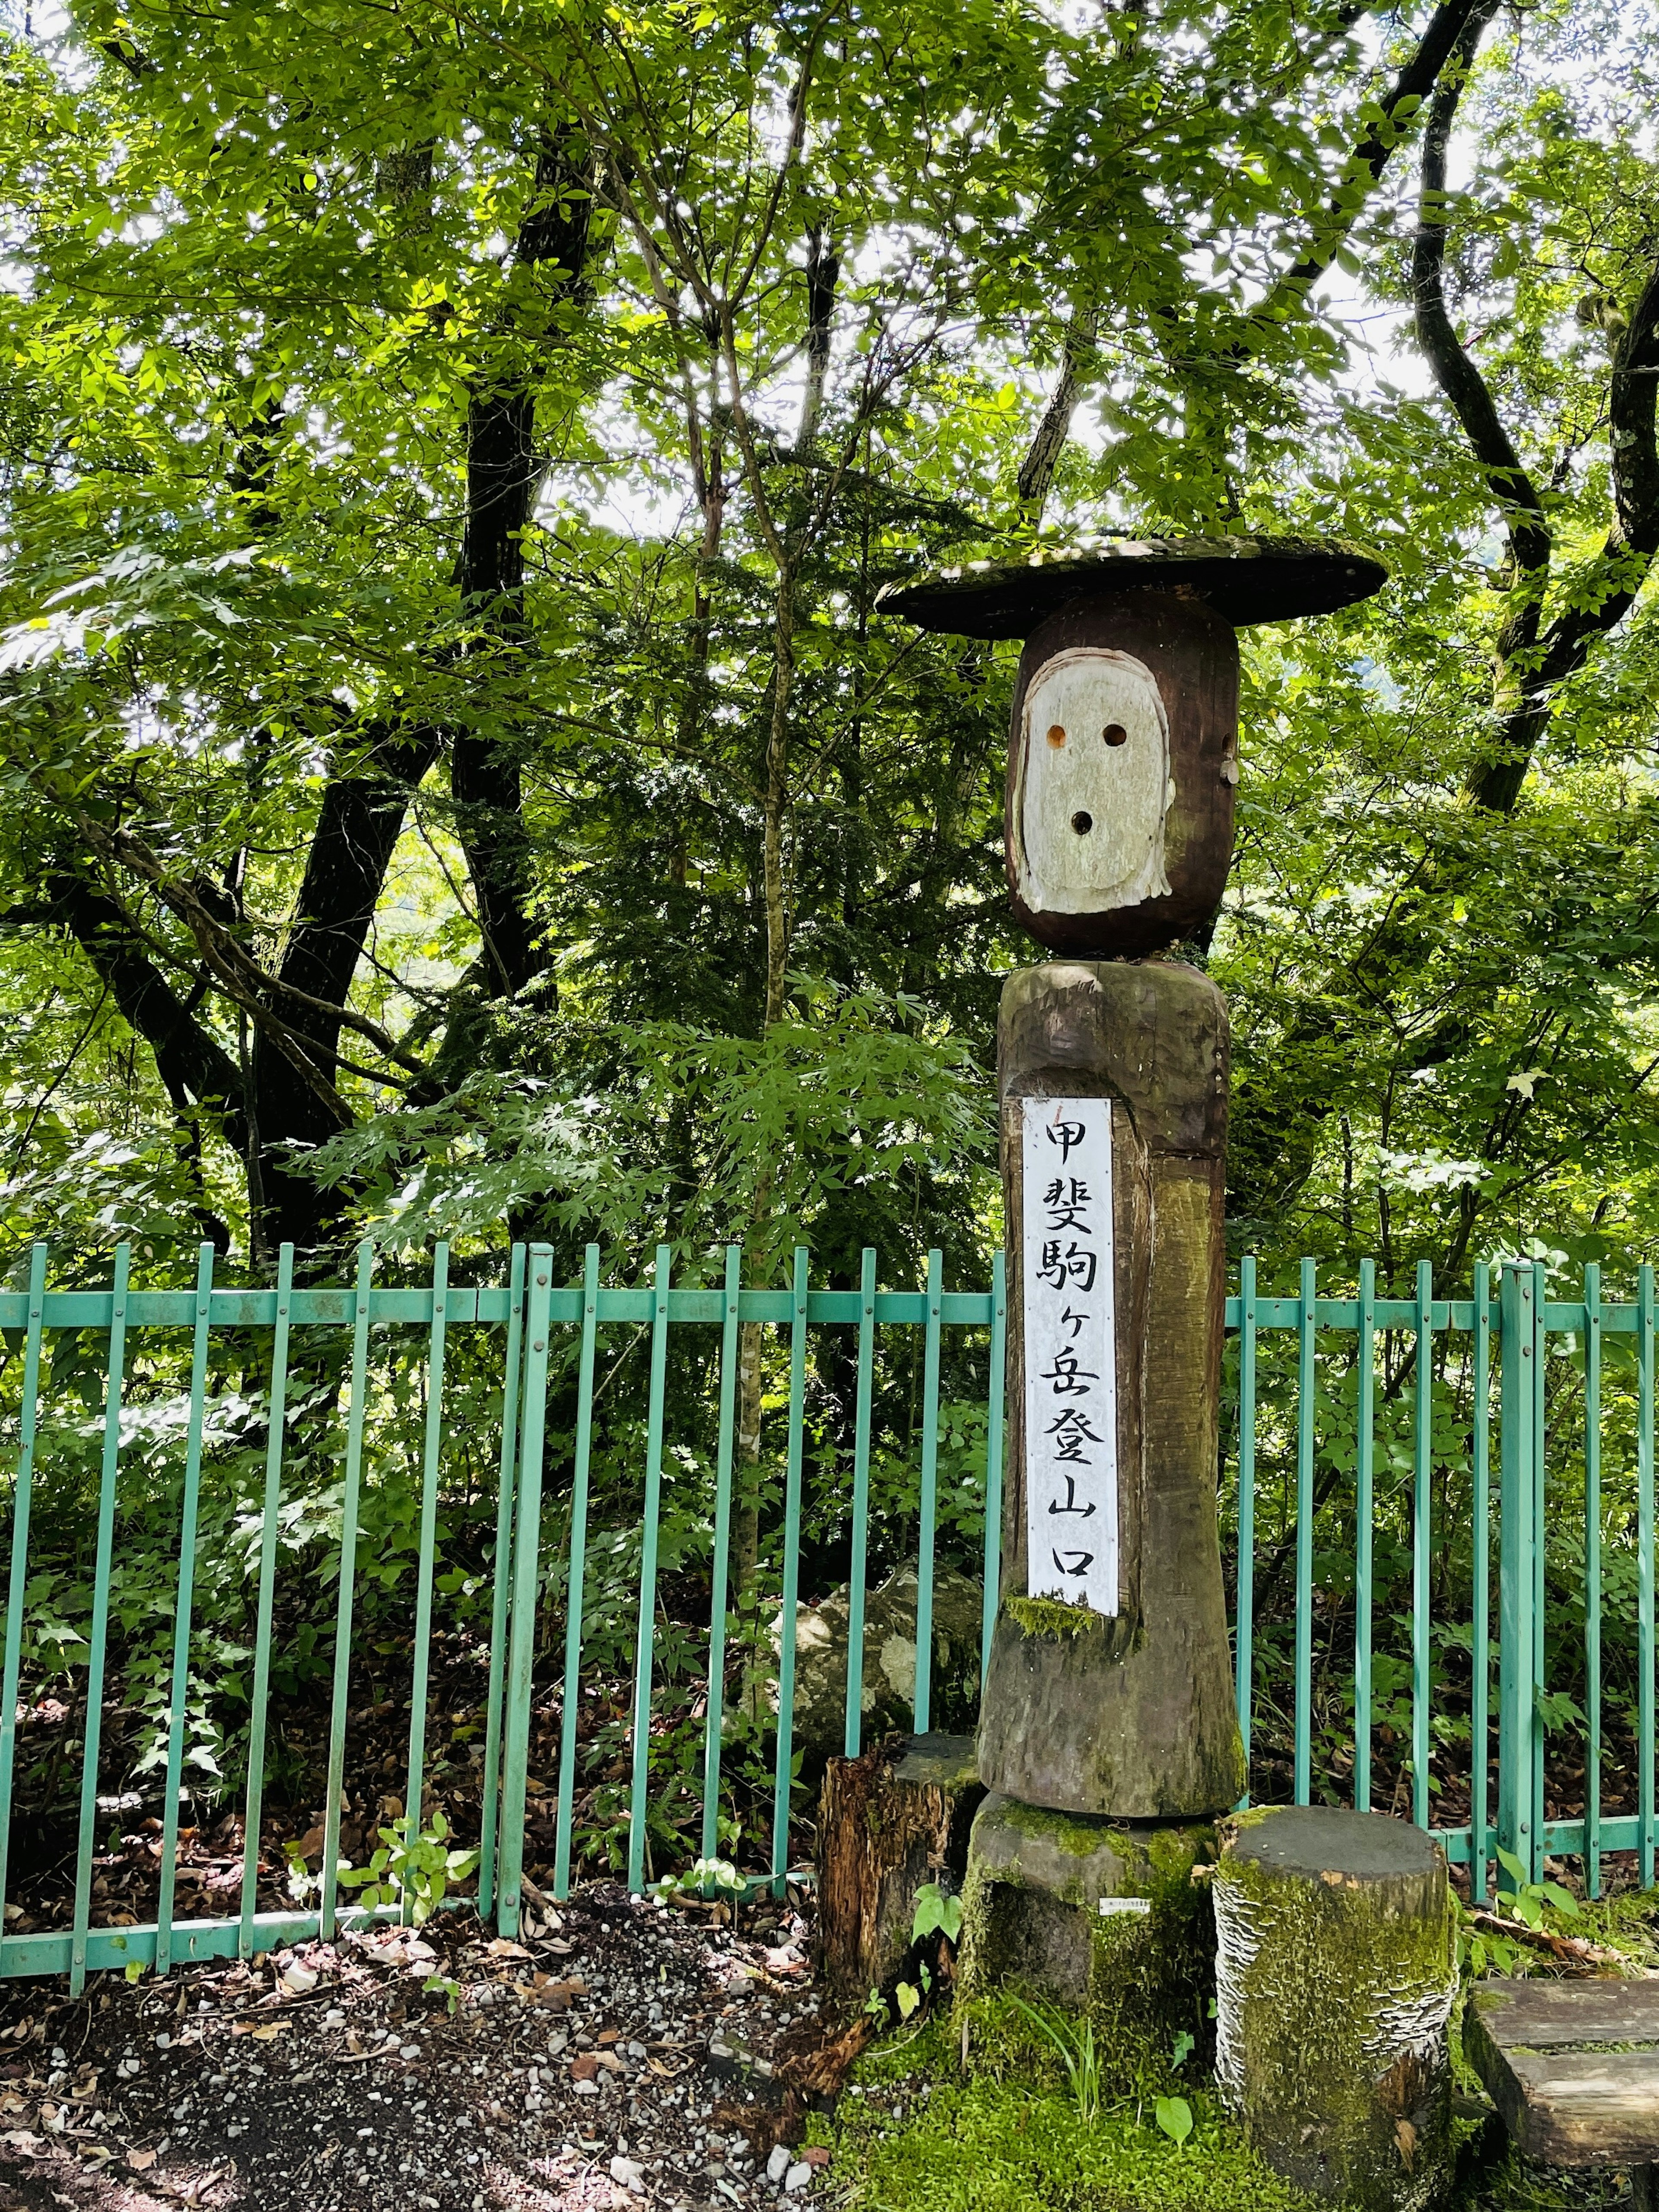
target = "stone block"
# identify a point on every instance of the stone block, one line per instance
(1099, 1917)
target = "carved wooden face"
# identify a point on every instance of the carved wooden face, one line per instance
(1121, 766)
(1096, 787)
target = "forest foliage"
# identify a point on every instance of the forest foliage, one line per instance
(455, 778)
(449, 458)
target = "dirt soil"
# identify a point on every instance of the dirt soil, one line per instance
(575, 2069)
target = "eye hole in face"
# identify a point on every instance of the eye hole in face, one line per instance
(1083, 823)
(1115, 734)
(1057, 735)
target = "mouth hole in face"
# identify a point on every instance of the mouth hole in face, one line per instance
(1057, 734)
(1082, 823)
(1115, 734)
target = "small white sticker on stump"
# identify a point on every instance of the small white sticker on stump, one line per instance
(1071, 1365)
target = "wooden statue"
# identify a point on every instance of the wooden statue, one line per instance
(1109, 1693)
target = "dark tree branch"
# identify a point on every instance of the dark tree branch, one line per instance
(1037, 471)
(1533, 660)
(822, 274)
(502, 477)
(1365, 165)
(195, 1069)
(1453, 369)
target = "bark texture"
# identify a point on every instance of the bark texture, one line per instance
(888, 1822)
(1336, 1967)
(1131, 1718)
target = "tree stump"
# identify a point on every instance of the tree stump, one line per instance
(888, 1822)
(1335, 1973)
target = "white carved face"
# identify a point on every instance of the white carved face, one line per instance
(1096, 786)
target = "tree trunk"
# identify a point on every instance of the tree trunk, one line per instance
(1336, 1967)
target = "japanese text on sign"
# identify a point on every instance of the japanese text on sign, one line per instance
(1071, 1368)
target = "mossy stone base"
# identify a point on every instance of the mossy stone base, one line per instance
(1097, 1917)
(1336, 1969)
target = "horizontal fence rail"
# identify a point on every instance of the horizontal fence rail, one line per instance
(356, 1377)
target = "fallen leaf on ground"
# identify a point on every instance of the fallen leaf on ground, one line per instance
(141, 2160)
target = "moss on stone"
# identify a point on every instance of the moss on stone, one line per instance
(1032, 1924)
(1081, 1838)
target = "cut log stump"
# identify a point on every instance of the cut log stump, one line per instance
(1335, 1973)
(889, 1821)
(1573, 2067)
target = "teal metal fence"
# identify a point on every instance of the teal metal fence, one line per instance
(1388, 1560)
(531, 1327)
(1381, 1428)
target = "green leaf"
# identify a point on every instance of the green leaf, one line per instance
(1175, 2116)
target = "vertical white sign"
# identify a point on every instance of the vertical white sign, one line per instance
(1071, 1351)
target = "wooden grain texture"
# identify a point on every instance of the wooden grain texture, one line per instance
(1563, 2103)
(1134, 1721)
(888, 1822)
(1553, 2015)
(1192, 655)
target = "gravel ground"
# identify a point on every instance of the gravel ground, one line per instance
(609, 2059)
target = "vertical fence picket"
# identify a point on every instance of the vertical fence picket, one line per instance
(644, 1643)
(502, 1583)
(1592, 1580)
(1479, 1661)
(527, 1579)
(1365, 1512)
(792, 1489)
(349, 1509)
(1244, 1640)
(180, 1691)
(1516, 1716)
(253, 1807)
(420, 1658)
(928, 1512)
(576, 1577)
(1540, 1347)
(1422, 1471)
(17, 1579)
(1306, 1376)
(98, 1651)
(993, 1596)
(1644, 1575)
(713, 1719)
(859, 1565)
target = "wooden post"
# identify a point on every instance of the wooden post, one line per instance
(1129, 1713)
(889, 1821)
